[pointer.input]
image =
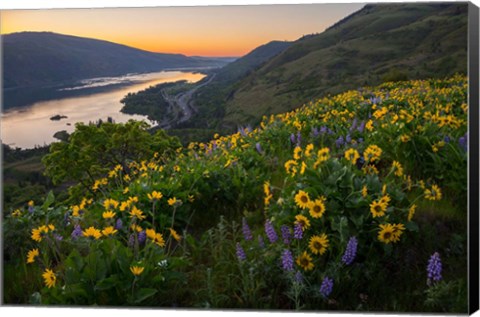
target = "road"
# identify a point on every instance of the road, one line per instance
(181, 105)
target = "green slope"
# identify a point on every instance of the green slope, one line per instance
(376, 44)
(211, 99)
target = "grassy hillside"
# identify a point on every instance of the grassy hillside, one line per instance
(210, 100)
(353, 202)
(381, 42)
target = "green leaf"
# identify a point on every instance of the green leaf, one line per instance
(357, 221)
(107, 283)
(143, 294)
(75, 261)
(48, 201)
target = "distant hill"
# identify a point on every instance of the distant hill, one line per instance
(38, 58)
(211, 99)
(381, 42)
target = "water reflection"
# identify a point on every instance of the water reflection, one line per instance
(29, 126)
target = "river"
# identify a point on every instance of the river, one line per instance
(30, 126)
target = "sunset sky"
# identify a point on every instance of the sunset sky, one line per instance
(203, 31)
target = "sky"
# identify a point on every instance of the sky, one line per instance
(193, 31)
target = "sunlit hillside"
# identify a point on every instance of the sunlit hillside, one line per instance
(352, 202)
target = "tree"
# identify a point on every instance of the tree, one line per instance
(92, 150)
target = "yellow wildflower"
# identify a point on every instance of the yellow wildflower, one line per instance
(411, 212)
(38, 233)
(303, 221)
(378, 208)
(175, 235)
(305, 261)
(109, 231)
(302, 200)
(318, 244)
(398, 169)
(364, 191)
(434, 193)
(137, 213)
(49, 278)
(110, 204)
(404, 138)
(32, 254)
(108, 214)
(308, 150)
(352, 155)
(155, 195)
(297, 153)
(387, 233)
(317, 207)
(92, 232)
(136, 270)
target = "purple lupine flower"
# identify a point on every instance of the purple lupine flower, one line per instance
(270, 231)
(298, 277)
(298, 231)
(249, 128)
(463, 141)
(214, 146)
(375, 100)
(118, 224)
(240, 253)
(77, 232)
(247, 233)
(326, 287)
(330, 131)
(323, 129)
(354, 124)
(348, 138)
(142, 236)
(339, 142)
(447, 139)
(292, 138)
(351, 251)
(261, 243)
(360, 140)
(434, 268)
(299, 138)
(57, 237)
(315, 132)
(287, 260)
(31, 209)
(361, 127)
(242, 131)
(286, 235)
(259, 148)
(131, 241)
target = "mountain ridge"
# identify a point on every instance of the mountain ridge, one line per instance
(380, 42)
(40, 58)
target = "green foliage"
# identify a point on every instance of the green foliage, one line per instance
(385, 165)
(92, 150)
(149, 102)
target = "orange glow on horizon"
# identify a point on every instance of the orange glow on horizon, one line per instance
(214, 31)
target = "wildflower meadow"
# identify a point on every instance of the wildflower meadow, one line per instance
(354, 202)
